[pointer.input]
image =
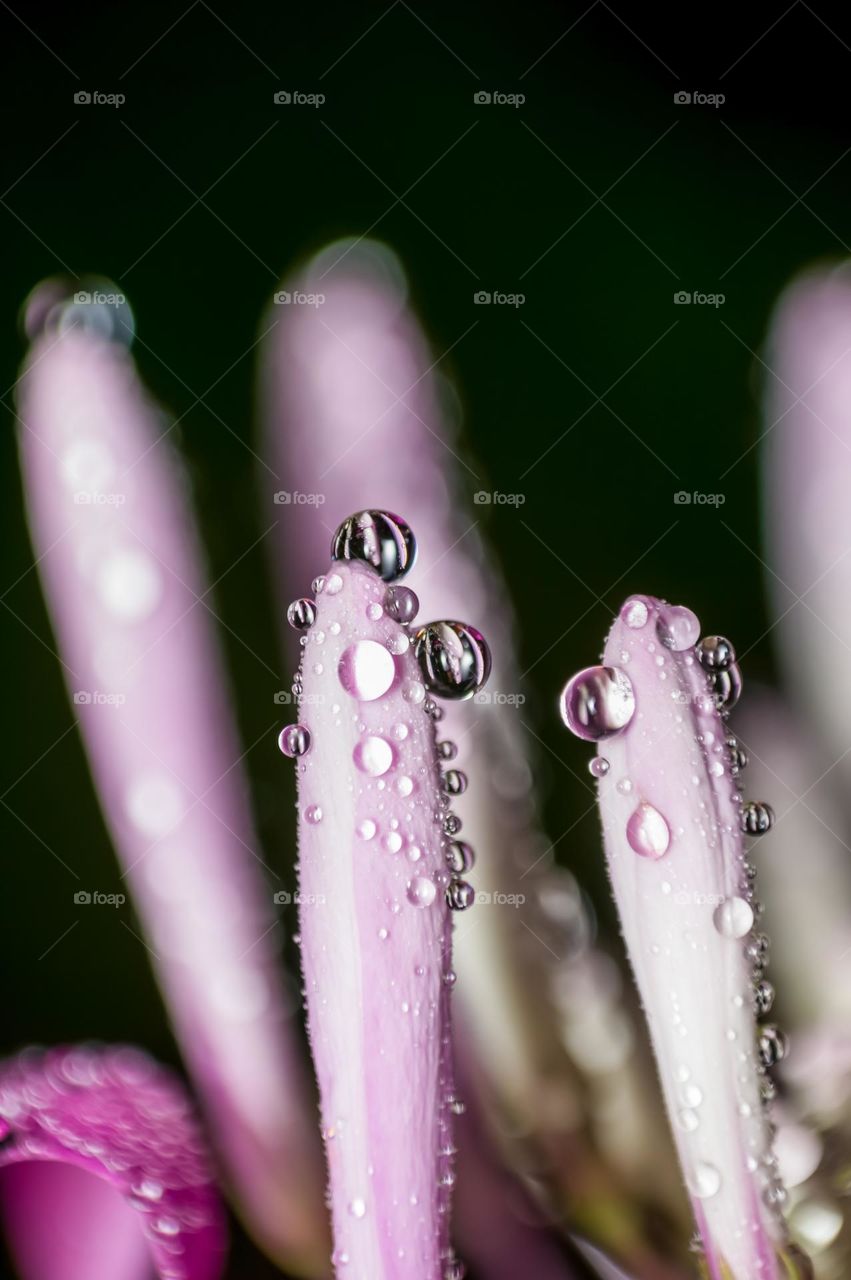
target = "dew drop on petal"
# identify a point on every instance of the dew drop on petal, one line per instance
(313, 814)
(392, 842)
(422, 892)
(597, 703)
(635, 613)
(705, 1182)
(333, 584)
(294, 740)
(598, 766)
(357, 1207)
(366, 829)
(647, 832)
(677, 627)
(688, 1120)
(366, 670)
(733, 918)
(373, 755)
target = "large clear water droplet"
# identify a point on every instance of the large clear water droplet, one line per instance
(733, 918)
(301, 614)
(401, 603)
(460, 895)
(598, 766)
(677, 627)
(454, 659)
(422, 892)
(648, 832)
(597, 702)
(366, 670)
(459, 856)
(373, 755)
(716, 653)
(294, 740)
(378, 538)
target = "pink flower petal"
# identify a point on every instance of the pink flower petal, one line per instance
(672, 824)
(122, 574)
(103, 1170)
(376, 934)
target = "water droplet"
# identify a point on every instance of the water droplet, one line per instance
(733, 918)
(677, 627)
(294, 740)
(378, 538)
(400, 732)
(763, 996)
(726, 687)
(715, 653)
(413, 692)
(366, 670)
(313, 814)
(301, 614)
(459, 856)
(597, 703)
(333, 584)
(635, 613)
(414, 852)
(460, 895)
(401, 604)
(450, 978)
(397, 642)
(454, 782)
(447, 750)
(454, 659)
(692, 1095)
(422, 892)
(366, 829)
(357, 1207)
(374, 756)
(404, 785)
(392, 842)
(772, 1045)
(647, 832)
(374, 611)
(706, 1181)
(317, 586)
(624, 786)
(757, 818)
(688, 1120)
(452, 824)
(598, 766)
(384, 934)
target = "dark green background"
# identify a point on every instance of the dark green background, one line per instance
(199, 96)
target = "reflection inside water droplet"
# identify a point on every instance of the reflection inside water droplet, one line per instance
(366, 670)
(597, 703)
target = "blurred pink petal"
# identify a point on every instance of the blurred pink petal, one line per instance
(376, 934)
(103, 1170)
(672, 824)
(123, 579)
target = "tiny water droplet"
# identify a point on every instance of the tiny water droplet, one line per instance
(459, 856)
(294, 740)
(706, 1181)
(366, 829)
(624, 786)
(373, 756)
(757, 818)
(413, 692)
(374, 611)
(597, 703)
(647, 832)
(392, 842)
(447, 750)
(598, 766)
(635, 613)
(688, 1120)
(454, 782)
(404, 785)
(460, 895)
(357, 1207)
(715, 653)
(313, 814)
(733, 918)
(401, 604)
(333, 584)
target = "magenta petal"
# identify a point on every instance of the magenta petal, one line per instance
(133, 616)
(104, 1170)
(376, 936)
